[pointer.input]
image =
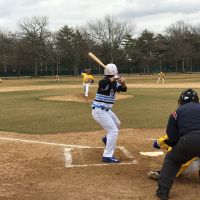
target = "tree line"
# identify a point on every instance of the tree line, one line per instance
(34, 50)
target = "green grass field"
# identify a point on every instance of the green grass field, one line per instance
(25, 112)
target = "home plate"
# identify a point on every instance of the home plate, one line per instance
(154, 153)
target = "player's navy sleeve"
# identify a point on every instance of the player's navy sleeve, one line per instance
(121, 88)
(104, 83)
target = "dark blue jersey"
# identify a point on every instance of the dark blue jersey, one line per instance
(106, 91)
(185, 120)
(106, 87)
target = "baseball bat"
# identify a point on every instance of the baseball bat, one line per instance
(91, 55)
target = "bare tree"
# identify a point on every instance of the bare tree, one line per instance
(110, 33)
(34, 33)
(7, 50)
(179, 37)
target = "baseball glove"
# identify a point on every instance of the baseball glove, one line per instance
(89, 80)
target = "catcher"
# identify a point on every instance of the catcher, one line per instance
(189, 167)
(88, 79)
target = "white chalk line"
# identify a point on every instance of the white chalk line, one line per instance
(103, 164)
(68, 158)
(126, 152)
(68, 148)
(151, 139)
(46, 143)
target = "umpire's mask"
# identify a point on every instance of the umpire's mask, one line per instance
(188, 95)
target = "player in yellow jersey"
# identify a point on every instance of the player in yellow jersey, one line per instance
(188, 167)
(161, 76)
(88, 79)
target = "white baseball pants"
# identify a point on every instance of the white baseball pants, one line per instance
(86, 87)
(109, 121)
(163, 80)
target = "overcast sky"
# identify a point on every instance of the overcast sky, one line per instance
(155, 15)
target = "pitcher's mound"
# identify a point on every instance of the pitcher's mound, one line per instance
(81, 97)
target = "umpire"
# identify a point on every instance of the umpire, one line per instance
(183, 131)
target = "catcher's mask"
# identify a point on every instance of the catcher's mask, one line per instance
(188, 95)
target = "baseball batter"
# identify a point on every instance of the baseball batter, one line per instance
(102, 113)
(88, 79)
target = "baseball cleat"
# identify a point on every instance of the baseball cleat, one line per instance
(154, 175)
(104, 140)
(110, 160)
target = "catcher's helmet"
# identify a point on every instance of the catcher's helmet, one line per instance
(188, 95)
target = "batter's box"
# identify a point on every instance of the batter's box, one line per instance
(92, 156)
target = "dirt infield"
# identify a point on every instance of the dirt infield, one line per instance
(36, 167)
(68, 165)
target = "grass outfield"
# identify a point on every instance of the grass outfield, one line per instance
(26, 112)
